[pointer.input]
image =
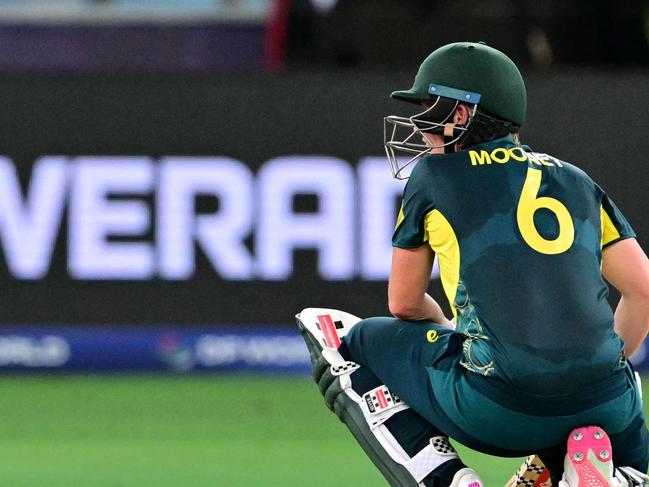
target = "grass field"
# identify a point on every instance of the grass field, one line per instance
(177, 431)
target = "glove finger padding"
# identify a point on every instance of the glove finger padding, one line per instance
(320, 366)
(332, 392)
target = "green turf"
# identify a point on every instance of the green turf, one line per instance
(161, 431)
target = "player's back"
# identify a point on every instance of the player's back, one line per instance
(519, 237)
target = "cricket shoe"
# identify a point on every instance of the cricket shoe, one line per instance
(631, 477)
(466, 477)
(589, 462)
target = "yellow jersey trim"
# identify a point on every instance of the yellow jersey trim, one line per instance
(443, 241)
(609, 232)
(400, 217)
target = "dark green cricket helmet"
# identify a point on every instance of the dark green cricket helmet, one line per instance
(471, 68)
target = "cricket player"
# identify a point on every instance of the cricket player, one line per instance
(533, 360)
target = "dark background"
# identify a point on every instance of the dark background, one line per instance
(594, 118)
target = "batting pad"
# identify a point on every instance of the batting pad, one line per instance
(365, 414)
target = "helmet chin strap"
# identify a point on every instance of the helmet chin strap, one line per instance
(458, 133)
(449, 135)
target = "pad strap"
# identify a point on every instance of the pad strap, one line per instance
(380, 399)
(339, 366)
(380, 404)
(429, 458)
(344, 368)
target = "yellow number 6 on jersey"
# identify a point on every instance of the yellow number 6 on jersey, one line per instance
(527, 206)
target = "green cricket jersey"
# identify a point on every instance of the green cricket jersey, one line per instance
(519, 238)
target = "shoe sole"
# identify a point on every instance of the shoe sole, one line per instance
(590, 454)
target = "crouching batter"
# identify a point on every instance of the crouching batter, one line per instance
(524, 242)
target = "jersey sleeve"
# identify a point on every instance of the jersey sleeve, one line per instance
(615, 226)
(416, 204)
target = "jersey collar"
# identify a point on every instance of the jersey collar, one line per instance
(507, 140)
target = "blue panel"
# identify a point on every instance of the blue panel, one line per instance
(152, 349)
(455, 94)
(103, 349)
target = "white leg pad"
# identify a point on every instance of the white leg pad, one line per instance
(379, 405)
(328, 326)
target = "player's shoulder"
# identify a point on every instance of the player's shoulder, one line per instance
(425, 174)
(422, 174)
(569, 167)
(569, 170)
(430, 165)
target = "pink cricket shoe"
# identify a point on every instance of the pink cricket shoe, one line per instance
(589, 462)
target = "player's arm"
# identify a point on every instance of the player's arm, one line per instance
(409, 278)
(626, 267)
